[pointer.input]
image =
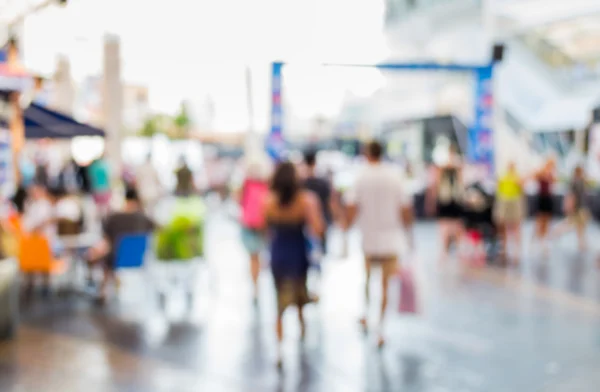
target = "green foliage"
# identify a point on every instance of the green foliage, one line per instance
(177, 126)
(150, 128)
(182, 122)
(182, 239)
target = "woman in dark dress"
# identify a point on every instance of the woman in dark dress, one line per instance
(445, 196)
(545, 206)
(291, 213)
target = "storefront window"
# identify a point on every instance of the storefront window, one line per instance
(398, 9)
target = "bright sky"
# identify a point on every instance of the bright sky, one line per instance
(188, 49)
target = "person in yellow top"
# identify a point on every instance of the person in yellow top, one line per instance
(509, 206)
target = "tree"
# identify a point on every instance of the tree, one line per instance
(156, 124)
(176, 127)
(182, 122)
(150, 127)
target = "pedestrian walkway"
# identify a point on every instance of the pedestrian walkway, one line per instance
(532, 328)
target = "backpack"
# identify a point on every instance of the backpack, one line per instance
(253, 199)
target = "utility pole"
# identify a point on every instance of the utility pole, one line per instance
(36, 8)
(251, 145)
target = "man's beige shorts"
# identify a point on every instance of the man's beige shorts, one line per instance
(388, 264)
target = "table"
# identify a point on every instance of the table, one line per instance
(72, 246)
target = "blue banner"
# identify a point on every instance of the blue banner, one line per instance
(275, 143)
(480, 141)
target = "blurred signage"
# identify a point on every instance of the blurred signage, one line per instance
(481, 138)
(275, 142)
(6, 173)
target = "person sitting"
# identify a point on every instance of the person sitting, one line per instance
(38, 218)
(68, 213)
(131, 219)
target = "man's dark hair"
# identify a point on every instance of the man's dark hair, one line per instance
(131, 195)
(374, 150)
(310, 158)
(58, 192)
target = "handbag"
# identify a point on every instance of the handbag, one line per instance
(408, 295)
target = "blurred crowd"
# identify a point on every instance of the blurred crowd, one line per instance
(287, 212)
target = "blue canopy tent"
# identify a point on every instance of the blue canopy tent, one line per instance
(44, 123)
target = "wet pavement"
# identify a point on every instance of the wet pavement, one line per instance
(535, 327)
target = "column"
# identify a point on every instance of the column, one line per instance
(63, 96)
(113, 102)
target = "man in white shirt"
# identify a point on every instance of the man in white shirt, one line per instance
(378, 202)
(149, 186)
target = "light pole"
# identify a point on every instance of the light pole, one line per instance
(32, 10)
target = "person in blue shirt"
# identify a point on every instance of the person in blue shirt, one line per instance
(99, 176)
(27, 171)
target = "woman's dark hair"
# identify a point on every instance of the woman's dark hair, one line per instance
(285, 183)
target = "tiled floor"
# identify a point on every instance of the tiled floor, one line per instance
(534, 328)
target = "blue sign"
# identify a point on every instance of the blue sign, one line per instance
(480, 141)
(480, 149)
(275, 142)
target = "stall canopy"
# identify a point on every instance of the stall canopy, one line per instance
(43, 123)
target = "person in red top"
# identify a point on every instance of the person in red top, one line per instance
(252, 197)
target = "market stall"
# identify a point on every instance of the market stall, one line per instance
(13, 81)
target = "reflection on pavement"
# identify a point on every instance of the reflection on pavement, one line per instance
(525, 329)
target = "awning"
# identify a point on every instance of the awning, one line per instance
(43, 123)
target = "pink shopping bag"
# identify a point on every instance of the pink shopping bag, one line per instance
(408, 294)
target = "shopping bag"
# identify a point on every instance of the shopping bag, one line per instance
(408, 294)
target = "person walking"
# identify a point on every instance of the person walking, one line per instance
(446, 196)
(252, 198)
(321, 187)
(148, 185)
(185, 186)
(411, 185)
(545, 205)
(508, 209)
(377, 201)
(575, 208)
(290, 212)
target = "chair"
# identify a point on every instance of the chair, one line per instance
(10, 234)
(131, 251)
(35, 256)
(15, 225)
